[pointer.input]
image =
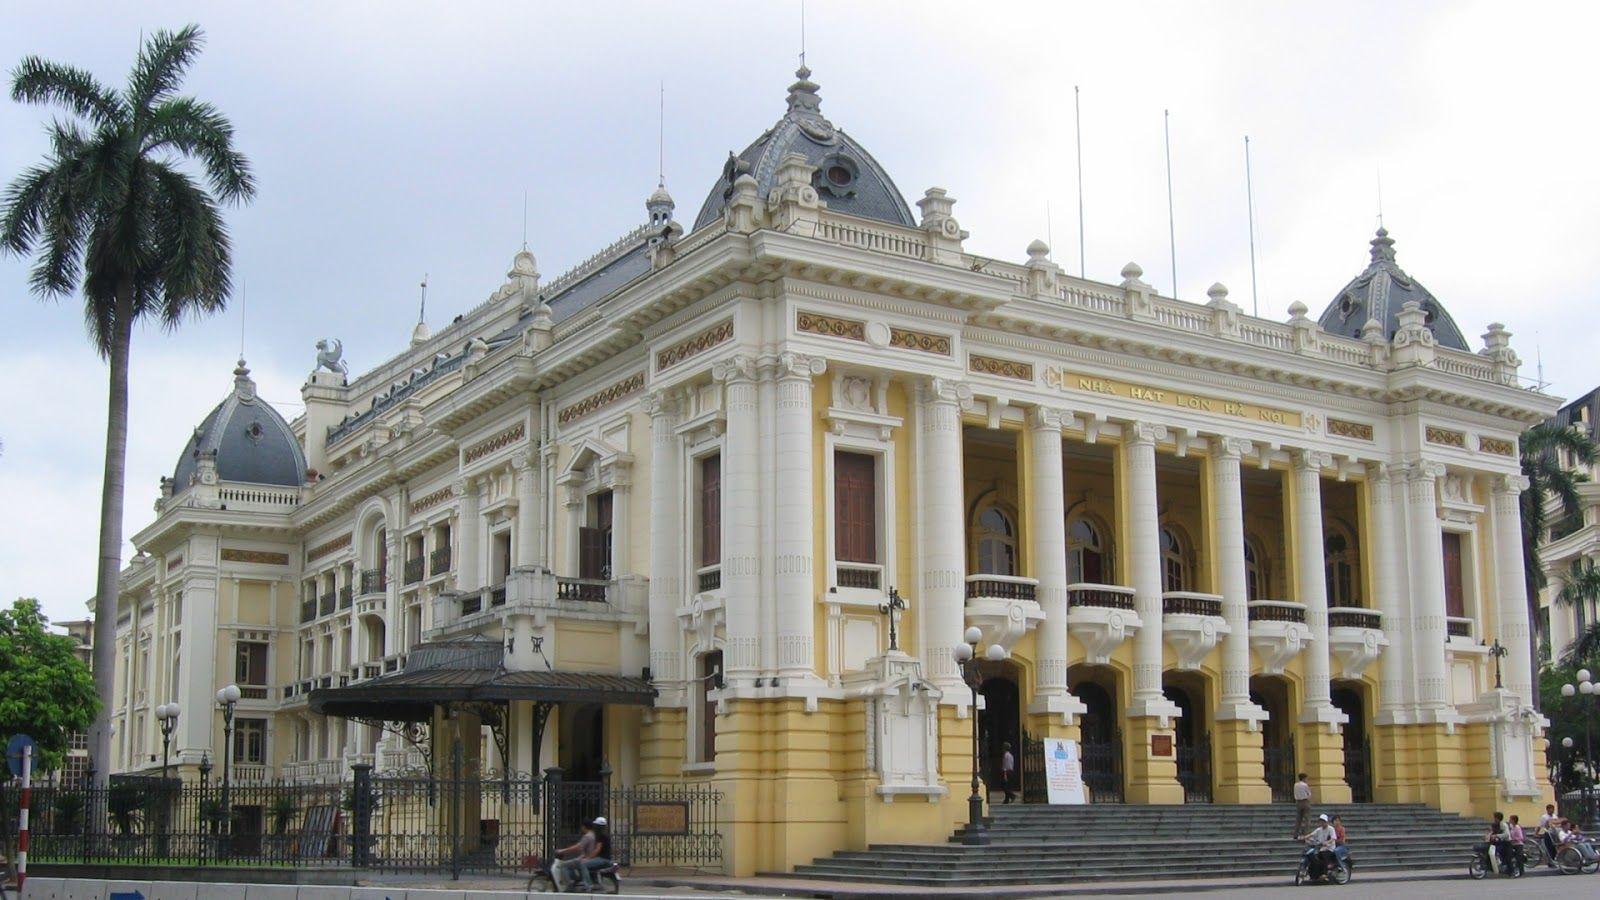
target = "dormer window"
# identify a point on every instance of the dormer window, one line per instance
(837, 176)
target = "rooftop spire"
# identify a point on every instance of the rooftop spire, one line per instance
(803, 99)
(242, 383)
(1383, 246)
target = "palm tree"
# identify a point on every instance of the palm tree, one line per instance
(115, 216)
(1581, 588)
(1541, 452)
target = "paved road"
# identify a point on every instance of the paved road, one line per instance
(1542, 884)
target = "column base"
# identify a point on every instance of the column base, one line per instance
(1240, 771)
(1055, 713)
(1152, 779)
(1321, 751)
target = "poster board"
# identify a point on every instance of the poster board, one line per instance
(1063, 772)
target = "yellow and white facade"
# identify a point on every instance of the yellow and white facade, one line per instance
(706, 455)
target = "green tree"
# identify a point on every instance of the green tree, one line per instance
(1580, 587)
(45, 689)
(115, 216)
(1541, 451)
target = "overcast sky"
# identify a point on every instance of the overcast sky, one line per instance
(392, 140)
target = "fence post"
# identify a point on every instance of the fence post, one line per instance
(454, 795)
(605, 793)
(552, 808)
(361, 815)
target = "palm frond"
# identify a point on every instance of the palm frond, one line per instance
(160, 67)
(1580, 585)
(194, 128)
(37, 80)
(1584, 649)
(193, 249)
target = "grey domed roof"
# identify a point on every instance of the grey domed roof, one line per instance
(848, 178)
(251, 441)
(1379, 293)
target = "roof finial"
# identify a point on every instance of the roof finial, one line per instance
(803, 99)
(1383, 246)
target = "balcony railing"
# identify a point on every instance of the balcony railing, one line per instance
(1100, 596)
(253, 692)
(581, 590)
(308, 609)
(710, 578)
(1001, 587)
(1187, 603)
(1354, 617)
(1277, 611)
(497, 595)
(325, 605)
(374, 581)
(347, 595)
(860, 575)
(1457, 626)
(439, 561)
(471, 604)
(414, 570)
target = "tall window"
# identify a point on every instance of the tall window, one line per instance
(1339, 568)
(997, 542)
(711, 511)
(1455, 599)
(1255, 572)
(855, 507)
(1086, 553)
(1174, 563)
(594, 542)
(710, 676)
(250, 663)
(250, 740)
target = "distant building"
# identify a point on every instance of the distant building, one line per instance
(1571, 538)
(77, 763)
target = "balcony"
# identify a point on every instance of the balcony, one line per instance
(439, 561)
(859, 576)
(374, 581)
(1192, 624)
(581, 590)
(1278, 632)
(325, 604)
(1457, 627)
(1003, 606)
(414, 570)
(709, 578)
(528, 589)
(347, 595)
(1355, 638)
(308, 609)
(497, 595)
(253, 692)
(1101, 617)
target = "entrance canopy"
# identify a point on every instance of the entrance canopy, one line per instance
(444, 673)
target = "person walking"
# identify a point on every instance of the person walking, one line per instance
(1302, 805)
(1008, 771)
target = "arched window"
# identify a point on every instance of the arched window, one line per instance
(997, 543)
(1339, 557)
(1086, 553)
(1174, 561)
(1255, 571)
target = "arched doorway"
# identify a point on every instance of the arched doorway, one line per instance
(581, 748)
(1348, 697)
(1100, 745)
(1191, 739)
(1271, 693)
(999, 723)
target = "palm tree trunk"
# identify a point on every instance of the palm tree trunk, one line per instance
(110, 561)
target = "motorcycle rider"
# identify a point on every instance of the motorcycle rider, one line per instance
(1498, 839)
(1340, 849)
(1322, 839)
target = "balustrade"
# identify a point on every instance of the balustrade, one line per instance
(1458, 626)
(1354, 617)
(1001, 587)
(710, 579)
(1185, 603)
(1277, 611)
(860, 576)
(1100, 596)
(439, 561)
(581, 590)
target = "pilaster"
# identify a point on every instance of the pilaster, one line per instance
(741, 563)
(941, 513)
(794, 542)
(666, 553)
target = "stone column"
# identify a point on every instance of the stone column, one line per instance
(942, 515)
(1427, 590)
(1240, 777)
(1387, 540)
(741, 508)
(529, 540)
(794, 540)
(467, 528)
(1320, 744)
(1047, 505)
(622, 522)
(666, 531)
(1511, 586)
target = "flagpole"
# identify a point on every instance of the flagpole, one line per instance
(1172, 233)
(1250, 201)
(1077, 125)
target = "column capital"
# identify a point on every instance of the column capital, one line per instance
(1512, 483)
(1424, 470)
(1315, 460)
(1143, 432)
(946, 390)
(461, 486)
(1049, 418)
(662, 402)
(798, 367)
(1224, 447)
(734, 370)
(522, 462)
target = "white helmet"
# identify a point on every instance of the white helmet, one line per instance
(599, 820)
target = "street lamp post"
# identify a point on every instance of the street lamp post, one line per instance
(167, 715)
(967, 658)
(1587, 689)
(227, 698)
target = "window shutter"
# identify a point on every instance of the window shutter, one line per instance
(1455, 601)
(711, 511)
(592, 552)
(855, 508)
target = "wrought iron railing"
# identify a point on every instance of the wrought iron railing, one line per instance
(347, 595)
(497, 595)
(471, 603)
(253, 691)
(1456, 626)
(414, 569)
(308, 610)
(1102, 596)
(581, 590)
(1194, 769)
(1187, 604)
(1351, 617)
(1277, 611)
(864, 577)
(1277, 767)
(374, 581)
(710, 579)
(439, 561)
(1102, 769)
(325, 603)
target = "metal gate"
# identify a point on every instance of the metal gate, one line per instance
(1278, 763)
(1034, 786)
(1194, 770)
(1358, 770)
(1102, 769)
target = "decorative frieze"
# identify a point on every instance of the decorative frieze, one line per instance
(1361, 431)
(906, 339)
(695, 346)
(601, 399)
(1445, 436)
(429, 501)
(1004, 368)
(1064, 380)
(1496, 446)
(500, 441)
(830, 326)
(260, 557)
(333, 546)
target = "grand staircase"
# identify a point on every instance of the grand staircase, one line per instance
(1037, 844)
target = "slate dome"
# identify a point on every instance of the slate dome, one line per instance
(252, 442)
(1379, 293)
(848, 179)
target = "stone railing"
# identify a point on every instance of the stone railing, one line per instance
(257, 498)
(1277, 611)
(1458, 627)
(1001, 587)
(1099, 596)
(875, 237)
(709, 578)
(1354, 617)
(860, 576)
(581, 590)
(1190, 603)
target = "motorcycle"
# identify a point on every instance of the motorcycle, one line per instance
(607, 880)
(1485, 860)
(1323, 865)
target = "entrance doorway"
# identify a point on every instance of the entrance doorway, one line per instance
(1271, 693)
(1191, 738)
(999, 723)
(1101, 746)
(1347, 696)
(582, 746)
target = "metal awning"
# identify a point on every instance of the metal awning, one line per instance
(452, 672)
